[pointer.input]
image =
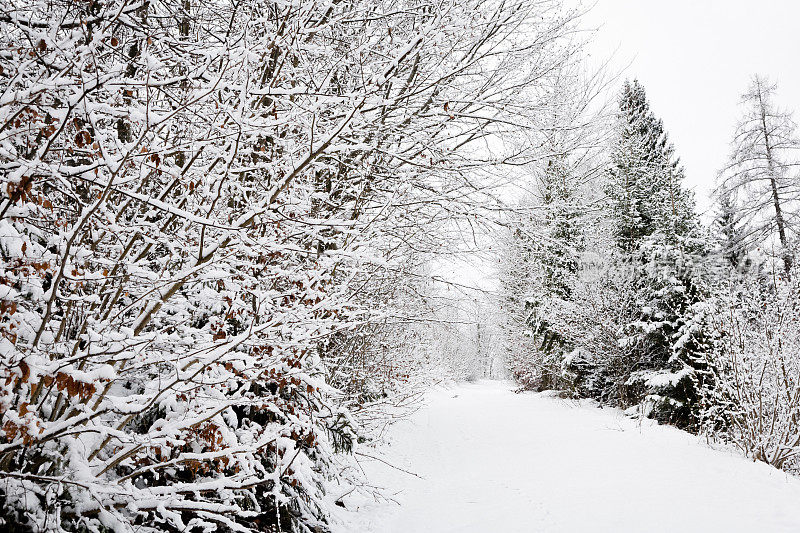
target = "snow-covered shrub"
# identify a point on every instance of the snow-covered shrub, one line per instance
(756, 400)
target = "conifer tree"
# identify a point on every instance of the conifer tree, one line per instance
(541, 260)
(555, 260)
(659, 246)
(645, 176)
(560, 243)
(731, 232)
(541, 263)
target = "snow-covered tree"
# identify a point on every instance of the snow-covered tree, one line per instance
(207, 205)
(754, 365)
(645, 185)
(755, 403)
(648, 291)
(761, 174)
(547, 233)
(731, 232)
(541, 263)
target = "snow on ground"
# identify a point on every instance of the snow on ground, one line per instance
(492, 460)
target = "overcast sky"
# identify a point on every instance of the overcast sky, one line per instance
(695, 58)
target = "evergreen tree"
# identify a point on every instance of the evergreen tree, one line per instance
(659, 249)
(556, 251)
(645, 176)
(731, 234)
(668, 343)
(515, 281)
(540, 264)
(555, 261)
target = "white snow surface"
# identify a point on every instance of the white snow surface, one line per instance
(492, 460)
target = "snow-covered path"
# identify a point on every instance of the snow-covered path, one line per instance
(492, 460)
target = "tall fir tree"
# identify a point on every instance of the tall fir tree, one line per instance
(731, 233)
(541, 261)
(556, 254)
(560, 235)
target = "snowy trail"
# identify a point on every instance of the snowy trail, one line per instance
(497, 461)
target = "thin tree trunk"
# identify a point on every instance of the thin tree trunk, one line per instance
(779, 220)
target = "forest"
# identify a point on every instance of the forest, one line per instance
(233, 238)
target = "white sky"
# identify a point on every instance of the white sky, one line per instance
(695, 59)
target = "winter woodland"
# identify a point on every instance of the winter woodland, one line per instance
(231, 234)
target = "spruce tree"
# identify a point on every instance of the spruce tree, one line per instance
(731, 232)
(560, 243)
(555, 254)
(541, 262)
(645, 176)
(541, 259)
(659, 248)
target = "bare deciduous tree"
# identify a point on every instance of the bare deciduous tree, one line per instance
(759, 174)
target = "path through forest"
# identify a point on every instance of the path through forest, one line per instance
(493, 460)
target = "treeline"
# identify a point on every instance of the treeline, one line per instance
(214, 228)
(613, 289)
